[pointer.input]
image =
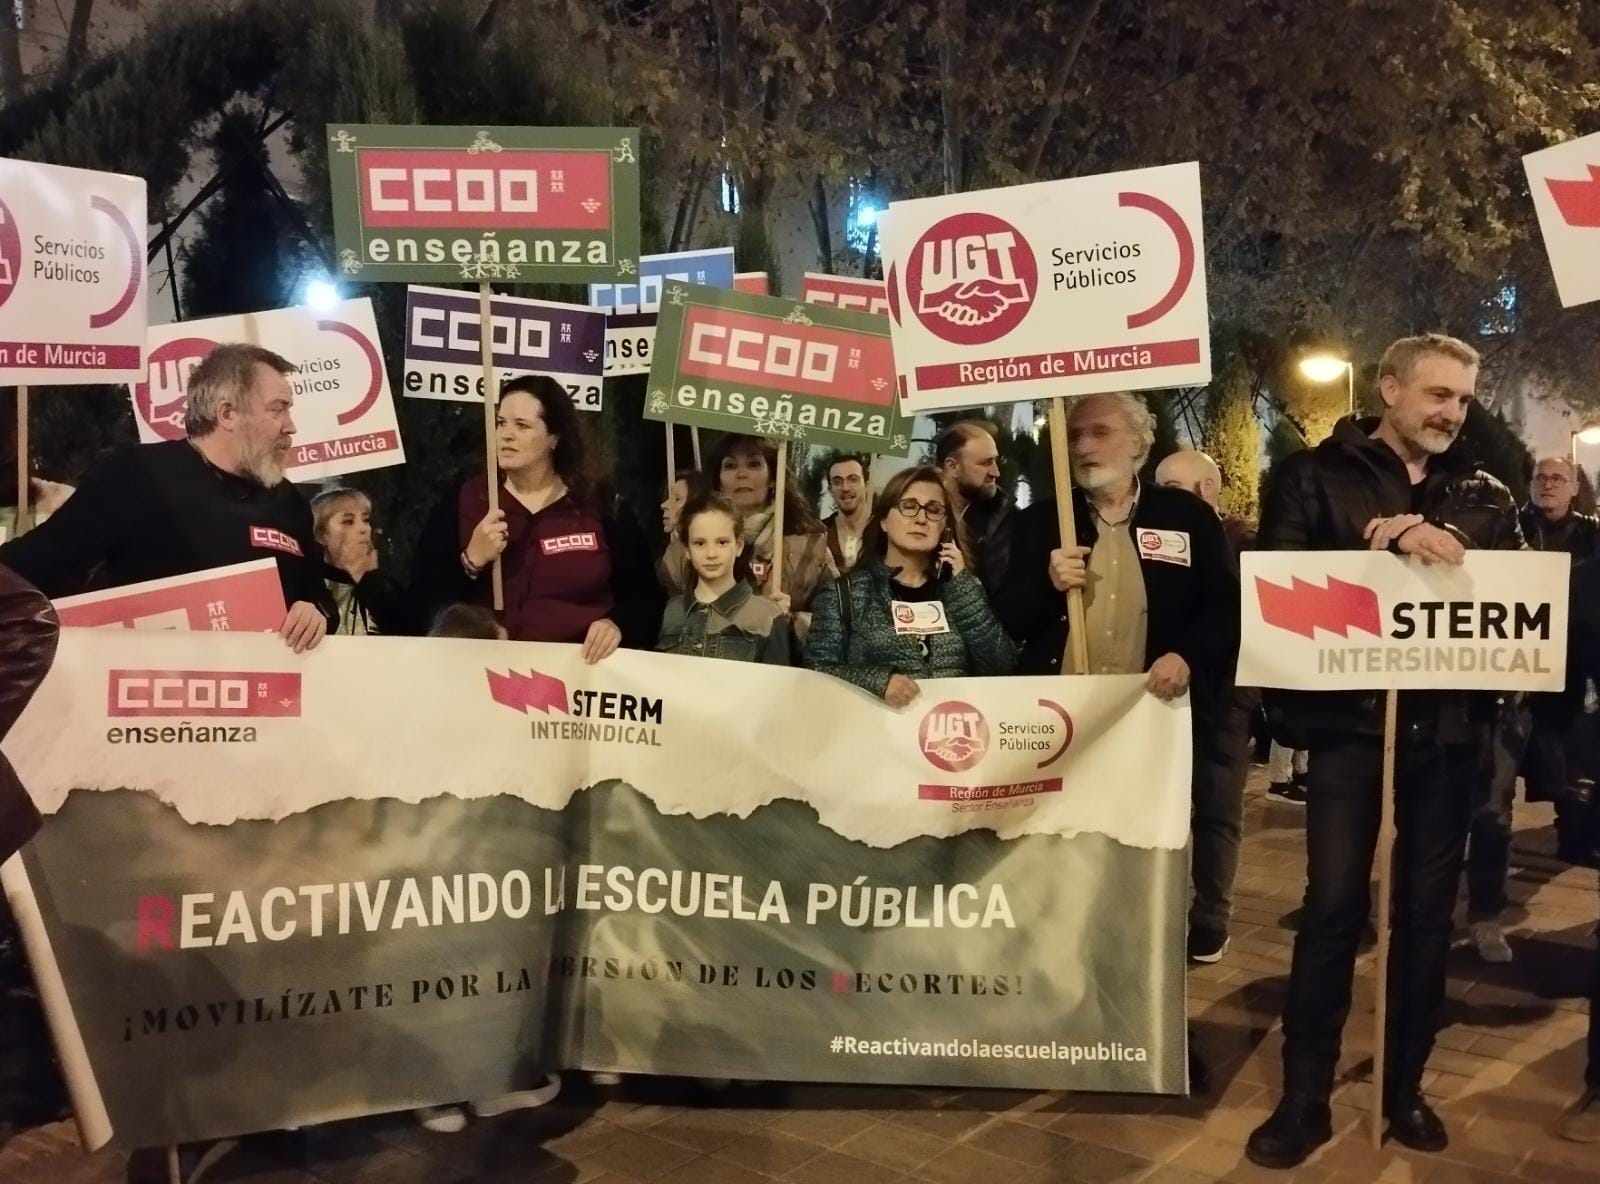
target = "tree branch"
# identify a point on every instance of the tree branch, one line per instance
(77, 39)
(1058, 85)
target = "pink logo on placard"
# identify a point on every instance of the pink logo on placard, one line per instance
(971, 278)
(161, 398)
(954, 736)
(10, 253)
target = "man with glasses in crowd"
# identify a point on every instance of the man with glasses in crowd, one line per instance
(1531, 730)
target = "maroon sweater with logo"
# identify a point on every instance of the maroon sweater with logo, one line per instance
(565, 567)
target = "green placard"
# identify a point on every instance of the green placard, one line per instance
(771, 367)
(522, 204)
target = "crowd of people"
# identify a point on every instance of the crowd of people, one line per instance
(941, 575)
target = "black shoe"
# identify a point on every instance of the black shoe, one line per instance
(1414, 1125)
(1298, 1126)
(1207, 945)
(1292, 793)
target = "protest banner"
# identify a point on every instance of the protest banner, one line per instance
(443, 352)
(530, 204)
(409, 872)
(772, 367)
(72, 275)
(631, 308)
(240, 598)
(1370, 620)
(1565, 184)
(754, 283)
(343, 409)
(846, 291)
(1057, 288)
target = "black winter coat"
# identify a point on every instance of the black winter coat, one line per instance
(1193, 610)
(1321, 500)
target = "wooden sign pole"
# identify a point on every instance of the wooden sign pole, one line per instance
(780, 481)
(1076, 658)
(490, 409)
(672, 458)
(1385, 853)
(22, 462)
(694, 442)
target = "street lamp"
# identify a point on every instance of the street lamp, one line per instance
(1588, 435)
(1326, 368)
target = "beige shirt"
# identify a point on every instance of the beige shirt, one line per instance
(1114, 607)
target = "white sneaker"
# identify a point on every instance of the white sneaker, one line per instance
(1490, 941)
(442, 1120)
(522, 1099)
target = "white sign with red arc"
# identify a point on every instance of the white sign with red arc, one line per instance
(1059, 288)
(72, 275)
(1564, 182)
(343, 408)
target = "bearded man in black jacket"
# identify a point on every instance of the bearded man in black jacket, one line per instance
(1402, 483)
(217, 497)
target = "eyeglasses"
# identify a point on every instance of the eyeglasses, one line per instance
(909, 507)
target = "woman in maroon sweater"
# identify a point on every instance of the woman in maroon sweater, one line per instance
(573, 571)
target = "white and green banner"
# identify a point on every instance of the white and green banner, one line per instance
(276, 890)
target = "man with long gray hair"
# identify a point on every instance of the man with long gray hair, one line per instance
(215, 498)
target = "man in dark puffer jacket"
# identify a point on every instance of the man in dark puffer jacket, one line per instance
(1402, 483)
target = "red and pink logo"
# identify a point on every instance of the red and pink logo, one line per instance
(1578, 201)
(954, 736)
(531, 691)
(10, 253)
(202, 693)
(586, 540)
(161, 398)
(276, 540)
(1305, 607)
(971, 278)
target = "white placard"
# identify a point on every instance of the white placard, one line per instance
(1565, 184)
(1058, 288)
(72, 275)
(1371, 620)
(343, 408)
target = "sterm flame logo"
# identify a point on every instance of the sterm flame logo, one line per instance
(528, 692)
(1304, 607)
(1578, 201)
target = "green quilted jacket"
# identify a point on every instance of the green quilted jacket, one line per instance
(867, 650)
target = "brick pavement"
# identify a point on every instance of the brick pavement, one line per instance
(1510, 1058)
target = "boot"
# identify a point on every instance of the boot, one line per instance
(1300, 1124)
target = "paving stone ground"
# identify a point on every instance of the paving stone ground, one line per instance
(1510, 1057)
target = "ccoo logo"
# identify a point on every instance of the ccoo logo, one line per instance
(971, 278)
(954, 736)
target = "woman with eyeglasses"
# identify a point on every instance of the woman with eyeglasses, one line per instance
(909, 609)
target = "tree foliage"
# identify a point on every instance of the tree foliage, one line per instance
(1231, 435)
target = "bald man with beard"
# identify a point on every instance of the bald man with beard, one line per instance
(1222, 754)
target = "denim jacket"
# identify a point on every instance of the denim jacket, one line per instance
(738, 625)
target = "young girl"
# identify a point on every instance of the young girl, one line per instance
(721, 615)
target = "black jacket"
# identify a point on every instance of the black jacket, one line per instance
(151, 511)
(1193, 610)
(28, 635)
(1576, 534)
(1321, 500)
(989, 526)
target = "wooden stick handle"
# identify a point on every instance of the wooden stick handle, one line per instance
(1385, 856)
(1076, 658)
(780, 481)
(490, 461)
(22, 462)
